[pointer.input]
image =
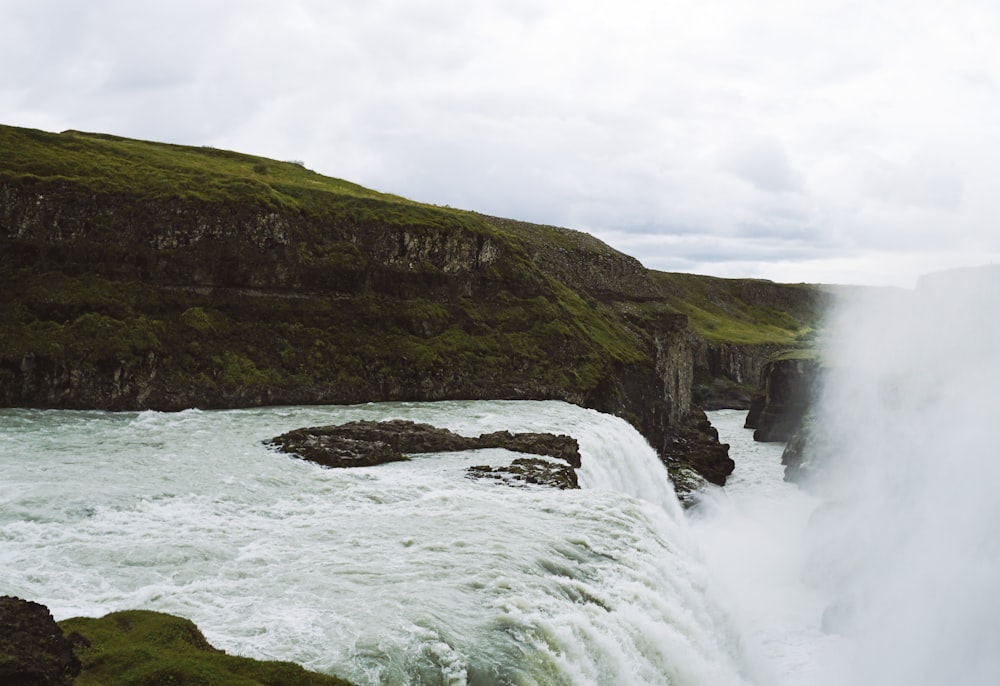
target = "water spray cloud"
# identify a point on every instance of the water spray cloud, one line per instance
(904, 453)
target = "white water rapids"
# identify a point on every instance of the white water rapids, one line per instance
(405, 573)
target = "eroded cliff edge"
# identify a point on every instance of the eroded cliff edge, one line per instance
(140, 275)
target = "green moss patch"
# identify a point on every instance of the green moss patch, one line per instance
(744, 311)
(142, 648)
(798, 354)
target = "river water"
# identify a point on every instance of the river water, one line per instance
(411, 573)
(755, 536)
(406, 573)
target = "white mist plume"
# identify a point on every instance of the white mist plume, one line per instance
(906, 432)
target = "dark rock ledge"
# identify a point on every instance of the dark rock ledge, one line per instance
(136, 647)
(529, 470)
(33, 649)
(367, 443)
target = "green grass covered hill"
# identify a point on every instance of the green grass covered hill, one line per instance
(254, 274)
(745, 311)
(147, 275)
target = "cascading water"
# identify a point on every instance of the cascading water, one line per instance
(406, 573)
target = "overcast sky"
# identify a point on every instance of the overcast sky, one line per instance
(813, 140)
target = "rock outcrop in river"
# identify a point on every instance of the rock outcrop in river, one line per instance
(367, 443)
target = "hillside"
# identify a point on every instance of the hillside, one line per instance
(146, 275)
(738, 325)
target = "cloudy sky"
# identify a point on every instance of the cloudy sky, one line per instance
(822, 140)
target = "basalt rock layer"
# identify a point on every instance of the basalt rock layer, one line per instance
(367, 443)
(789, 387)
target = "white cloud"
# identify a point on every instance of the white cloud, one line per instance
(762, 162)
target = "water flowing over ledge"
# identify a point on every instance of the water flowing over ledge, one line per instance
(402, 573)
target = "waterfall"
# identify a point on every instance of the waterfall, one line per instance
(405, 573)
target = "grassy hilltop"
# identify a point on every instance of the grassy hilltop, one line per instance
(112, 292)
(148, 275)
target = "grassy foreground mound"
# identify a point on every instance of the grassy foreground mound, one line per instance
(143, 648)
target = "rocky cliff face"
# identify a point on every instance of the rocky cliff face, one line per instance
(728, 371)
(790, 386)
(198, 244)
(737, 325)
(125, 297)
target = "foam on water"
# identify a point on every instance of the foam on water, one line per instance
(403, 573)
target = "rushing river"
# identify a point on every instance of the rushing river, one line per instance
(411, 573)
(755, 537)
(405, 573)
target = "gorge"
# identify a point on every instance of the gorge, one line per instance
(144, 280)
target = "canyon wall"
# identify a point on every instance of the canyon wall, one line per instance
(121, 296)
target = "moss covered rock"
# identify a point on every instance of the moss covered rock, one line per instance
(366, 443)
(143, 648)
